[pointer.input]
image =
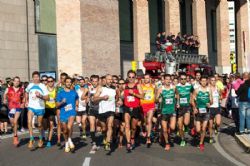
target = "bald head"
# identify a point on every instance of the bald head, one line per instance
(245, 75)
(108, 79)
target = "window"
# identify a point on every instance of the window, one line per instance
(126, 20)
(232, 41)
(231, 35)
(47, 53)
(45, 16)
(231, 30)
(230, 8)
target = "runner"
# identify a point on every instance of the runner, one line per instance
(67, 102)
(60, 87)
(107, 96)
(50, 108)
(93, 109)
(14, 96)
(36, 94)
(132, 111)
(81, 114)
(184, 91)
(168, 115)
(148, 105)
(215, 113)
(202, 99)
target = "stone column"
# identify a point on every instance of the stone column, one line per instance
(69, 48)
(172, 16)
(223, 39)
(141, 30)
(200, 24)
(243, 50)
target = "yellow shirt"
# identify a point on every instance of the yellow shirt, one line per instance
(52, 99)
(149, 94)
(219, 85)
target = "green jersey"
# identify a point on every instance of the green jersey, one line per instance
(168, 101)
(202, 99)
(184, 93)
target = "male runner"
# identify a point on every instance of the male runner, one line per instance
(81, 114)
(50, 108)
(14, 95)
(202, 99)
(36, 94)
(148, 104)
(132, 111)
(215, 113)
(93, 108)
(106, 96)
(184, 91)
(67, 101)
(60, 87)
(168, 114)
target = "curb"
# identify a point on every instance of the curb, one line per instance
(244, 141)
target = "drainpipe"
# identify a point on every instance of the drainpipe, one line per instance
(28, 45)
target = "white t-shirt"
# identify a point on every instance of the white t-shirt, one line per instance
(82, 103)
(109, 105)
(35, 102)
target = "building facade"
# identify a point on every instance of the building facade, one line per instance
(104, 36)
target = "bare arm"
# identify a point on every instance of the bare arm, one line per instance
(97, 97)
(84, 94)
(5, 96)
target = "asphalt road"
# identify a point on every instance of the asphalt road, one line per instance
(141, 156)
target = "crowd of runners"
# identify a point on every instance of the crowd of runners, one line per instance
(125, 112)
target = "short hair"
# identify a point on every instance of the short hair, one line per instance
(16, 77)
(198, 71)
(147, 74)
(35, 73)
(45, 76)
(68, 78)
(94, 77)
(182, 74)
(115, 76)
(131, 71)
(50, 77)
(204, 77)
(64, 74)
(167, 75)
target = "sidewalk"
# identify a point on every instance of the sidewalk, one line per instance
(244, 141)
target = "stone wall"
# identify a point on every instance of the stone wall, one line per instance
(13, 39)
(100, 37)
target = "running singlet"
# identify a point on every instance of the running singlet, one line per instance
(130, 100)
(92, 105)
(168, 100)
(14, 97)
(149, 95)
(35, 102)
(52, 99)
(109, 105)
(70, 105)
(184, 93)
(216, 98)
(82, 103)
(202, 99)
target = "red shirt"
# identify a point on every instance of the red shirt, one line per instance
(14, 97)
(130, 100)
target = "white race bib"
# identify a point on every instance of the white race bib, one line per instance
(148, 97)
(131, 98)
(183, 100)
(51, 100)
(68, 107)
(202, 110)
(169, 101)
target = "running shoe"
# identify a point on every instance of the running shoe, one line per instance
(167, 147)
(107, 147)
(71, 145)
(84, 137)
(40, 143)
(31, 144)
(15, 141)
(67, 148)
(183, 143)
(48, 144)
(202, 147)
(211, 140)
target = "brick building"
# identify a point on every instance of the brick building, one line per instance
(104, 36)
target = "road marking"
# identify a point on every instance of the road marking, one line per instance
(86, 161)
(224, 153)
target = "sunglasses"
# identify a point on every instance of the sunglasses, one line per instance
(121, 83)
(50, 81)
(183, 78)
(131, 77)
(44, 80)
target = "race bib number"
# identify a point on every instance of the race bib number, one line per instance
(183, 100)
(169, 101)
(51, 100)
(68, 107)
(147, 97)
(202, 110)
(131, 98)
